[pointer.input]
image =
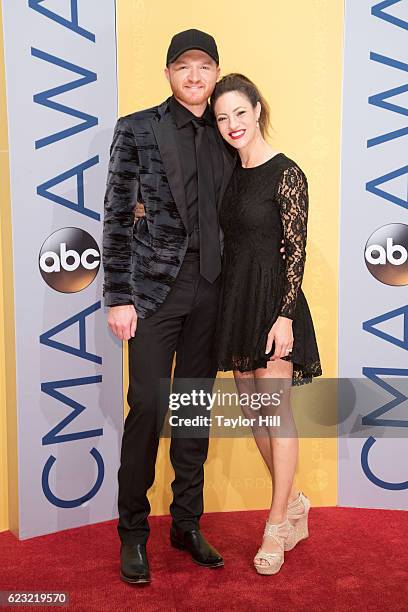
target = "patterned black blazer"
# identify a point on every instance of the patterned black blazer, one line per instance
(141, 260)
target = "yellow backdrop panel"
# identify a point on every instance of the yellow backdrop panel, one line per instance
(3, 204)
(293, 52)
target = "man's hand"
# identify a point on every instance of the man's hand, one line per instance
(122, 321)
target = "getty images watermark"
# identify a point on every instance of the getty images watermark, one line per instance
(200, 399)
(374, 405)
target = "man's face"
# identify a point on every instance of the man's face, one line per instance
(192, 77)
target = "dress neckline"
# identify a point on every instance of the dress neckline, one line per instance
(263, 163)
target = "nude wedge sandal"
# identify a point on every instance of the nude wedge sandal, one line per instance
(298, 510)
(275, 560)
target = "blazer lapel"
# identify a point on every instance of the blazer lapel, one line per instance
(164, 131)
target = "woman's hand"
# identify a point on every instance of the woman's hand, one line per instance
(139, 211)
(281, 333)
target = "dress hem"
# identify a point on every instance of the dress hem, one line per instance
(302, 373)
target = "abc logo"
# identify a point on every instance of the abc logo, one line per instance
(69, 260)
(386, 254)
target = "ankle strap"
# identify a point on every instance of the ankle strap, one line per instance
(277, 531)
(299, 506)
(296, 500)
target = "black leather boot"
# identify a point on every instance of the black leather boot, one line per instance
(134, 566)
(194, 542)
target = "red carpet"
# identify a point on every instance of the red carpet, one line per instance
(353, 560)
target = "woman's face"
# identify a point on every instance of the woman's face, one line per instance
(236, 118)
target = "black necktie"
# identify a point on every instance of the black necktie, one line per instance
(210, 256)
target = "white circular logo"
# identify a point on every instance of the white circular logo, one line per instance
(386, 254)
(69, 260)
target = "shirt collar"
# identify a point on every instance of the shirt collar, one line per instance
(182, 115)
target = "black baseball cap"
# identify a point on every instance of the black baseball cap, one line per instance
(191, 39)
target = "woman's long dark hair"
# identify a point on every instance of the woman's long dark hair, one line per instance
(241, 84)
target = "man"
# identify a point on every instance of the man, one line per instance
(162, 285)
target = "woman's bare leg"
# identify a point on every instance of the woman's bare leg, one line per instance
(283, 440)
(279, 450)
(245, 382)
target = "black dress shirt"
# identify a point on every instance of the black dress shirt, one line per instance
(186, 146)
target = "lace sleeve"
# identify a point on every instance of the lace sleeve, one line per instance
(292, 196)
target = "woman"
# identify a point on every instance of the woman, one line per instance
(265, 331)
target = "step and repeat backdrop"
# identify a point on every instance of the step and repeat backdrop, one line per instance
(373, 315)
(62, 96)
(60, 60)
(61, 82)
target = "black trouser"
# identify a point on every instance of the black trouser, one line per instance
(184, 324)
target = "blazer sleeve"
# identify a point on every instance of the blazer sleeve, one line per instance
(120, 199)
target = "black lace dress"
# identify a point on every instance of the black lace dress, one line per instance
(261, 206)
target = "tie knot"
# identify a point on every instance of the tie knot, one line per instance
(198, 123)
